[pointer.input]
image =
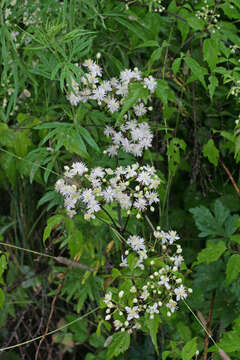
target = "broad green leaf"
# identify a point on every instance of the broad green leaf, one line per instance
(211, 253)
(183, 26)
(153, 325)
(164, 93)
(233, 268)
(211, 152)
(189, 349)
(210, 53)
(221, 212)
(52, 222)
(198, 71)
(75, 244)
(235, 238)
(120, 343)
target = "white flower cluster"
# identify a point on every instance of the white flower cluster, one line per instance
(235, 90)
(133, 187)
(109, 93)
(210, 17)
(137, 244)
(133, 138)
(155, 4)
(129, 306)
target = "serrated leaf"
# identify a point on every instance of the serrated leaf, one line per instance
(51, 223)
(75, 244)
(233, 268)
(210, 53)
(211, 253)
(211, 152)
(120, 343)
(189, 349)
(221, 212)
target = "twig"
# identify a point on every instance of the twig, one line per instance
(230, 177)
(73, 264)
(51, 313)
(208, 325)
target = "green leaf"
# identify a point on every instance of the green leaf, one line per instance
(156, 55)
(120, 343)
(136, 92)
(212, 86)
(221, 212)
(86, 135)
(2, 298)
(189, 349)
(235, 238)
(52, 222)
(153, 325)
(198, 71)
(211, 253)
(75, 244)
(173, 152)
(176, 65)
(149, 43)
(211, 152)
(233, 268)
(132, 261)
(164, 93)
(210, 53)
(165, 354)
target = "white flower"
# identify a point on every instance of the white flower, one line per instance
(73, 99)
(180, 293)
(153, 309)
(145, 294)
(140, 109)
(132, 312)
(108, 194)
(172, 305)
(144, 178)
(87, 196)
(150, 83)
(172, 236)
(112, 104)
(126, 75)
(108, 297)
(99, 94)
(152, 197)
(117, 324)
(80, 168)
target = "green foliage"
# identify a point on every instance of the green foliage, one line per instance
(192, 50)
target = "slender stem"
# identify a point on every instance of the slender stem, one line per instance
(51, 332)
(230, 177)
(208, 325)
(110, 217)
